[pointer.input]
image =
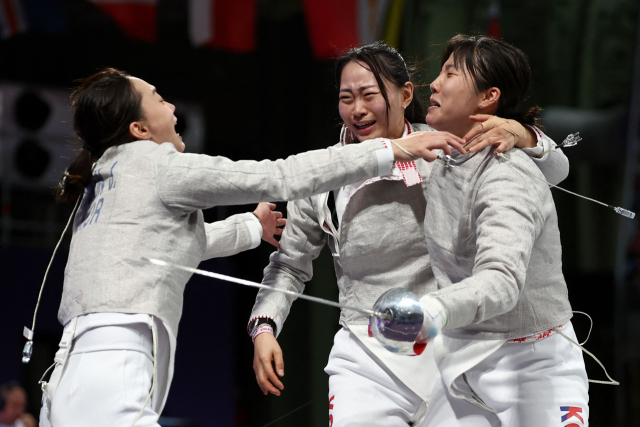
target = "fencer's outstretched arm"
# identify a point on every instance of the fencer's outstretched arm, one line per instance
(191, 181)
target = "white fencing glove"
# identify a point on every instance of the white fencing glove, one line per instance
(435, 318)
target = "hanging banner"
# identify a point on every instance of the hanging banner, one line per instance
(335, 26)
(136, 18)
(223, 24)
(20, 16)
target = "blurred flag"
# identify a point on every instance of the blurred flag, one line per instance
(494, 29)
(19, 16)
(136, 18)
(337, 25)
(223, 24)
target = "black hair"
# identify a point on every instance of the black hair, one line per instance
(495, 63)
(104, 105)
(384, 61)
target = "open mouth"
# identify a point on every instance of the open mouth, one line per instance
(365, 125)
(175, 124)
(434, 103)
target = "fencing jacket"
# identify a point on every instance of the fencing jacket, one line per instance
(380, 245)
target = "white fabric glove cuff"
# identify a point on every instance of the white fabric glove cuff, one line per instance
(255, 230)
(435, 316)
(542, 144)
(385, 158)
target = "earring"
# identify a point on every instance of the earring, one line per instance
(480, 106)
(404, 106)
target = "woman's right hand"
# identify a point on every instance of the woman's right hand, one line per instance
(421, 143)
(265, 351)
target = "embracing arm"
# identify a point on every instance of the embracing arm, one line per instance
(505, 134)
(193, 181)
(187, 182)
(551, 161)
(509, 217)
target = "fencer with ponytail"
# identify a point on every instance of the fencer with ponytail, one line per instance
(104, 105)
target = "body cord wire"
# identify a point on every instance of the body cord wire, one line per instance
(35, 312)
(611, 382)
(510, 163)
(297, 409)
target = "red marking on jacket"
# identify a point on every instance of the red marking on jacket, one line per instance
(330, 408)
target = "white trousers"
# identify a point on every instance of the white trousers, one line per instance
(363, 392)
(541, 383)
(107, 377)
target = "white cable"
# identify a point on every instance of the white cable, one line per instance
(590, 326)
(621, 211)
(155, 369)
(501, 155)
(611, 382)
(35, 312)
(46, 393)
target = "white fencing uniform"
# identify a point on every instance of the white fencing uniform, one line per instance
(108, 373)
(378, 244)
(538, 383)
(363, 391)
(492, 233)
(145, 199)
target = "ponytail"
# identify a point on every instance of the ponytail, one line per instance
(76, 178)
(532, 117)
(104, 105)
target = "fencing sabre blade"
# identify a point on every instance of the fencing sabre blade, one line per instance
(261, 286)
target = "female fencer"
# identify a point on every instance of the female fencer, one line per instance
(492, 233)
(374, 229)
(140, 196)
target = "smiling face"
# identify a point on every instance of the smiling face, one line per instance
(453, 100)
(158, 124)
(362, 106)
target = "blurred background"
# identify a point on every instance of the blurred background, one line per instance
(252, 79)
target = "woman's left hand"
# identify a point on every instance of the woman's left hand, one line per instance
(494, 130)
(271, 220)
